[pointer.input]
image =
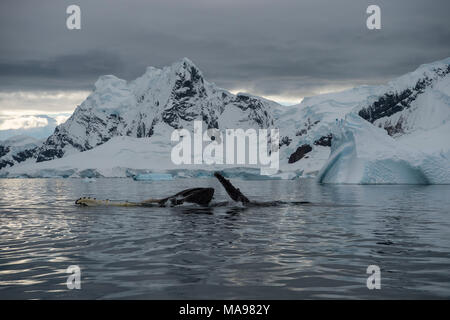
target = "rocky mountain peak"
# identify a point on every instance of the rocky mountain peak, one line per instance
(173, 96)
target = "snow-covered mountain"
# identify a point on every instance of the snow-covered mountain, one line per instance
(173, 96)
(17, 149)
(409, 139)
(128, 124)
(411, 104)
(415, 101)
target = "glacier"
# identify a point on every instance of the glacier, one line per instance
(365, 154)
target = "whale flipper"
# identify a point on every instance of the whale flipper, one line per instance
(233, 192)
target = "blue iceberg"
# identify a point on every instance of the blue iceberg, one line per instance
(153, 177)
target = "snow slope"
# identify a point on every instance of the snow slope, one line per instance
(309, 124)
(121, 156)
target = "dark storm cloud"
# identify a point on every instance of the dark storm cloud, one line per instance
(71, 71)
(282, 47)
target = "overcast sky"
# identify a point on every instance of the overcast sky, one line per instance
(281, 49)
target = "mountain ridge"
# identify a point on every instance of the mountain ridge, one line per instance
(175, 95)
(162, 100)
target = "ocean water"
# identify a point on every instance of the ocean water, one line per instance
(316, 251)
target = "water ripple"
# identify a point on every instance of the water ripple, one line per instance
(317, 251)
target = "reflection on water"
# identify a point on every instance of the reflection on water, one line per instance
(320, 250)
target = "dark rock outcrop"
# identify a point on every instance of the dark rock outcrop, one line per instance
(4, 150)
(285, 141)
(12, 153)
(299, 153)
(392, 102)
(5, 163)
(324, 141)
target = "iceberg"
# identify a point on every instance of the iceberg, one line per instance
(153, 177)
(365, 154)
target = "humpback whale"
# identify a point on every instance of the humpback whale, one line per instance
(200, 196)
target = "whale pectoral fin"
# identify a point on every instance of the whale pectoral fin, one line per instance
(149, 201)
(233, 192)
(93, 202)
